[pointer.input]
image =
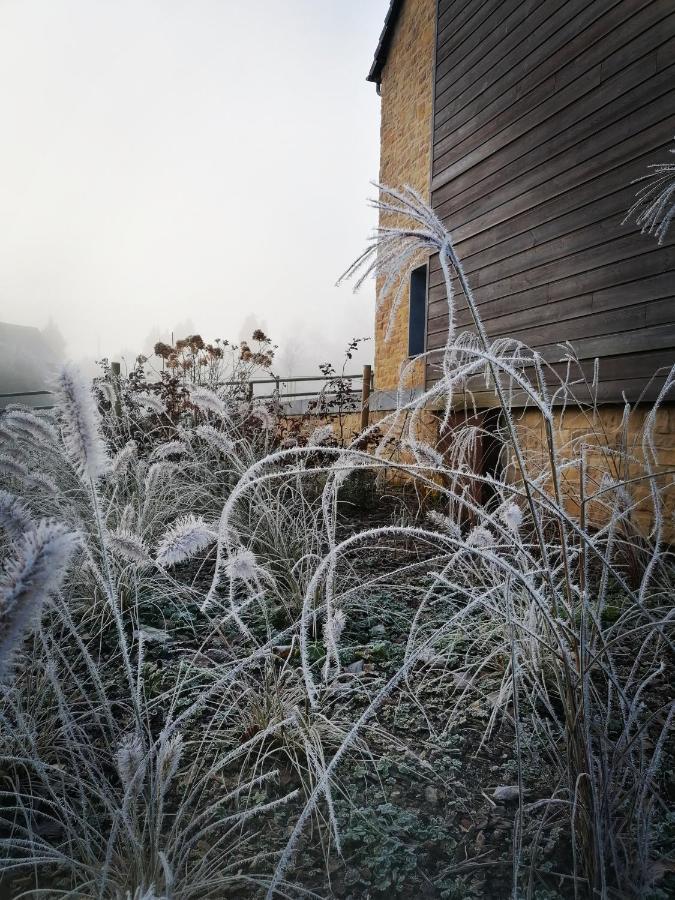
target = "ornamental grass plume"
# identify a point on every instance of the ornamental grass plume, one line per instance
(654, 207)
(129, 546)
(34, 571)
(187, 537)
(30, 425)
(208, 401)
(15, 519)
(80, 423)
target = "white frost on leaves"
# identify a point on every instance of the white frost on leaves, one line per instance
(80, 423)
(187, 536)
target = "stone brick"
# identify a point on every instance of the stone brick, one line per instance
(405, 159)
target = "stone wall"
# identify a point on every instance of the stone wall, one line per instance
(609, 451)
(405, 158)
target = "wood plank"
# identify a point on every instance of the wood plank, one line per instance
(517, 233)
(601, 284)
(459, 26)
(492, 201)
(655, 294)
(536, 117)
(614, 251)
(539, 53)
(601, 42)
(517, 21)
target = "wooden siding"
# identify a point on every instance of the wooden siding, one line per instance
(544, 113)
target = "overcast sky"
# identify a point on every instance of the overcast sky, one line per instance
(186, 161)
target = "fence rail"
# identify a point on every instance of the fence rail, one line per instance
(277, 394)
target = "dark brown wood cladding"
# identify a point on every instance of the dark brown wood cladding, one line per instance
(544, 115)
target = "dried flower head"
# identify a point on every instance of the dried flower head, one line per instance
(30, 425)
(265, 417)
(151, 403)
(12, 467)
(334, 626)
(124, 458)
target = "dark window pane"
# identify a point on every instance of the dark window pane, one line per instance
(418, 311)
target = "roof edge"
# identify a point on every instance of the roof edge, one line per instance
(384, 43)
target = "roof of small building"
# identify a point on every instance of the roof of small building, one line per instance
(383, 45)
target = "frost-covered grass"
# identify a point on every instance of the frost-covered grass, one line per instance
(185, 714)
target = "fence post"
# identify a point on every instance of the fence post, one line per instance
(365, 396)
(115, 372)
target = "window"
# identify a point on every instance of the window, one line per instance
(417, 317)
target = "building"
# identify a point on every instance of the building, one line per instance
(524, 123)
(26, 361)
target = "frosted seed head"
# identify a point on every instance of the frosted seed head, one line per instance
(321, 435)
(188, 536)
(80, 423)
(480, 537)
(512, 516)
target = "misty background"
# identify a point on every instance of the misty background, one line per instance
(182, 166)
